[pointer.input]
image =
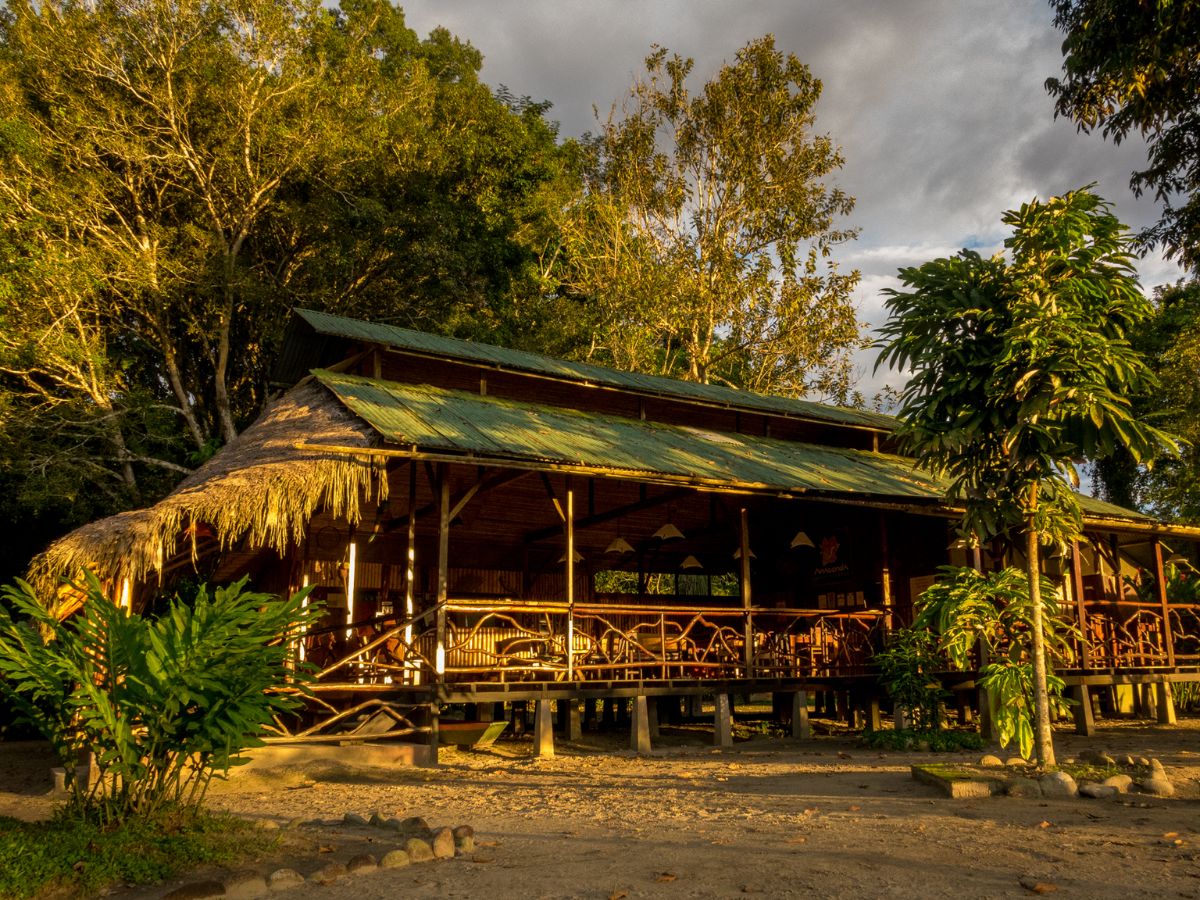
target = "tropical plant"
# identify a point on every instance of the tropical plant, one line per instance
(162, 704)
(906, 668)
(1019, 368)
(703, 242)
(991, 614)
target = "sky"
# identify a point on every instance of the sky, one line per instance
(939, 106)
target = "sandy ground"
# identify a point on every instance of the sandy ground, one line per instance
(770, 817)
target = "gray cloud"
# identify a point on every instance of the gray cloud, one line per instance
(939, 107)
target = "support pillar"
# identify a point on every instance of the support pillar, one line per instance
(572, 725)
(639, 726)
(589, 713)
(722, 721)
(801, 730)
(695, 706)
(652, 716)
(874, 719)
(484, 712)
(543, 730)
(900, 718)
(1166, 703)
(434, 734)
(1085, 722)
(964, 707)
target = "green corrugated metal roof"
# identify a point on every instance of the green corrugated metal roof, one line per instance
(439, 419)
(487, 354)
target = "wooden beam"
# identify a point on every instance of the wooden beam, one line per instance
(558, 507)
(748, 622)
(497, 479)
(410, 569)
(443, 573)
(1161, 580)
(1080, 607)
(570, 555)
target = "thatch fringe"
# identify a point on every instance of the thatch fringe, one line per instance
(260, 488)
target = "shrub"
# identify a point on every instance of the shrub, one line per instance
(162, 703)
(906, 669)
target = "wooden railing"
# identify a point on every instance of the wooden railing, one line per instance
(514, 640)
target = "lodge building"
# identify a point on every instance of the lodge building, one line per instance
(491, 526)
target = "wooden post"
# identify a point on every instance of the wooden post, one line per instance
(748, 622)
(435, 733)
(443, 573)
(885, 572)
(874, 719)
(652, 717)
(411, 665)
(1161, 579)
(801, 730)
(351, 577)
(1085, 721)
(1085, 655)
(1166, 703)
(570, 525)
(639, 726)
(573, 727)
(543, 730)
(722, 721)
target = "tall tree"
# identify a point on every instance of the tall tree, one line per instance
(1170, 342)
(175, 176)
(1131, 66)
(1019, 368)
(704, 241)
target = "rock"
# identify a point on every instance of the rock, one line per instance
(418, 850)
(466, 844)
(415, 824)
(1057, 784)
(375, 820)
(392, 824)
(1016, 761)
(394, 859)
(245, 886)
(463, 831)
(1159, 787)
(1142, 761)
(443, 843)
(268, 825)
(283, 879)
(1097, 791)
(196, 890)
(1121, 783)
(1023, 787)
(362, 864)
(1124, 760)
(1156, 766)
(353, 818)
(1090, 754)
(328, 873)
(990, 761)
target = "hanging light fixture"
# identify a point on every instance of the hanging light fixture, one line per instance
(1175, 559)
(669, 533)
(575, 557)
(802, 540)
(691, 563)
(737, 554)
(619, 545)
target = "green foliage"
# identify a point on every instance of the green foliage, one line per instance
(943, 740)
(163, 704)
(1130, 67)
(703, 242)
(991, 614)
(71, 855)
(1170, 341)
(906, 668)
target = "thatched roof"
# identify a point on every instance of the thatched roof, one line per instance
(260, 487)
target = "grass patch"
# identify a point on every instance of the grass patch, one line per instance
(66, 855)
(947, 740)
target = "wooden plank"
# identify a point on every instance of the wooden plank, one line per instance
(1161, 581)
(748, 622)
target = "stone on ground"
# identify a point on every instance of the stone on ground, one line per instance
(1122, 783)
(1097, 791)
(1023, 787)
(990, 761)
(1159, 787)
(245, 886)
(443, 843)
(283, 879)
(328, 873)
(418, 850)
(361, 864)
(353, 818)
(1057, 784)
(394, 859)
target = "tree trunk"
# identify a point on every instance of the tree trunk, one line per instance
(1043, 741)
(224, 413)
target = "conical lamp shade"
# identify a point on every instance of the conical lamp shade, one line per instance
(737, 554)
(691, 563)
(802, 540)
(576, 556)
(668, 533)
(619, 545)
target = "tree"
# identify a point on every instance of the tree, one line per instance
(703, 243)
(175, 176)
(1131, 66)
(1170, 341)
(1020, 367)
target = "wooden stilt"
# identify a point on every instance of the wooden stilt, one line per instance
(1085, 723)
(1166, 703)
(434, 734)
(722, 721)
(639, 726)
(874, 719)
(801, 730)
(543, 730)
(652, 708)
(747, 599)
(962, 702)
(573, 730)
(570, 557)
(443, 571)
(413, 672)
(589, 714)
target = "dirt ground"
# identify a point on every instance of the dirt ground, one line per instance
(770, 817)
